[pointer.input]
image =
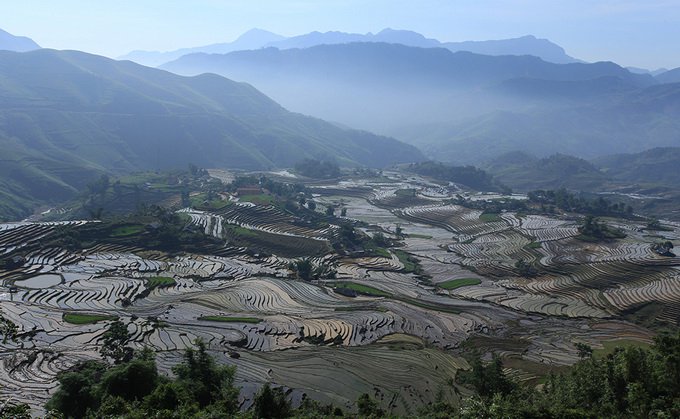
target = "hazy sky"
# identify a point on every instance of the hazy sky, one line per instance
(642, 33)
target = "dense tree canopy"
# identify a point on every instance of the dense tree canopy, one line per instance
(631, 382)
(469, 176)
(318, 169)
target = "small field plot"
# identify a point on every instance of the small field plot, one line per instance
(85, 318)
(458, 283)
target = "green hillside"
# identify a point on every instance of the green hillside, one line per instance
(67, 116)
(656, 166)
(525, 172)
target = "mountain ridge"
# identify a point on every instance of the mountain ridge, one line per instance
(525, 45)
(424, 95)
(252, 39)
(9, 42)
(670, 76)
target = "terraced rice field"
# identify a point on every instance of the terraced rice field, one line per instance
(467, 293)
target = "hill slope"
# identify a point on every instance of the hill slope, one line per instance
(66, 116)
(9, 42)
(524, 172)
(656, 166)
(670, 76)
(629, 122)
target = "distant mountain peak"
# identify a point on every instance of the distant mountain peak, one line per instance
(257, 33)
(523, 45)
(11, 42)
(390, 31)
(669, 76)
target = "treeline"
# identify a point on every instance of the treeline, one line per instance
(592, 230)
(318, 169)
(469, 176)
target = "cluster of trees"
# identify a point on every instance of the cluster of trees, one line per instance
(8, 263)
(350, 240)
(526, 269)
(150, 226)
(591, 230)
(134, 388)
(631, 382)
(307, 270)
(99, 186)
(281, 189)
(318, 169)
(567, 201)
(664, 249)
(655, 225)
(8, 330)
(493, 206)
(548, 201)
(469, 176)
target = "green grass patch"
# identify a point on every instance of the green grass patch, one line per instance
(427, 306)
(533, 245)
(200, 202)
(609, 346)
(418, 236)
(235, 230)
(490, 217)
(410, 264)
(197, 200)
(405, 192)
(374, 292)
(362, 289)
(230, 319)
(219, 204)
(380, 251)
(261, 199)
(160, 282)
(83, 318)
(127, 230)
(458, 283)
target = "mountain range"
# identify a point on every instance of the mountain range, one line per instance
(67, 116)
(9, 42)
(258, 38)
(461, 107)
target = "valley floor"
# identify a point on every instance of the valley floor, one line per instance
(400, 336)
